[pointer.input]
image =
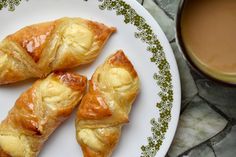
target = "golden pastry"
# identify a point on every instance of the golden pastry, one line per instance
(105, 108)
(37, 50)
(38, 112)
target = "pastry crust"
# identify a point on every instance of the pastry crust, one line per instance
(38, 112)
(37, 50)
(105, 108)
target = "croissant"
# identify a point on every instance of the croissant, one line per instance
(105, 108)
(38, 112)
(37, 50)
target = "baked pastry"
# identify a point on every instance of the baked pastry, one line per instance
(38, 112)
(105, 108)
(37, 50)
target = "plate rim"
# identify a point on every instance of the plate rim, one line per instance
(164, 43)
(138, 7)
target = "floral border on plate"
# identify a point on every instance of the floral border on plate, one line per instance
(163, 77)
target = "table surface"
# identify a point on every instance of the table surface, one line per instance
(207, 126)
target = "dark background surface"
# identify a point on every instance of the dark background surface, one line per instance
(207, 126)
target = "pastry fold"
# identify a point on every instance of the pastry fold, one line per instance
(39, 49)
(105, 108)
(38, 112)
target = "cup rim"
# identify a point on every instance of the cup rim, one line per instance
(183, 50)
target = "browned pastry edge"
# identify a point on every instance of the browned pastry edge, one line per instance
(97, 109)
(37, 50)
(95, 120)
(33, 38)
(3, 154)
(101, 31)
(24, 120)
(119, 59)
(75, 81)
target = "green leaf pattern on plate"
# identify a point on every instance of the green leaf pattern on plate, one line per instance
(163, 77)
(10, 4)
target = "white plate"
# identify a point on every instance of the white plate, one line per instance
(152, 127)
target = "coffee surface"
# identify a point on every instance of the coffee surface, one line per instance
(208, 30)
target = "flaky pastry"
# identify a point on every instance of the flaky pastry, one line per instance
(37, 50)
(38, 112)
(105, 108)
